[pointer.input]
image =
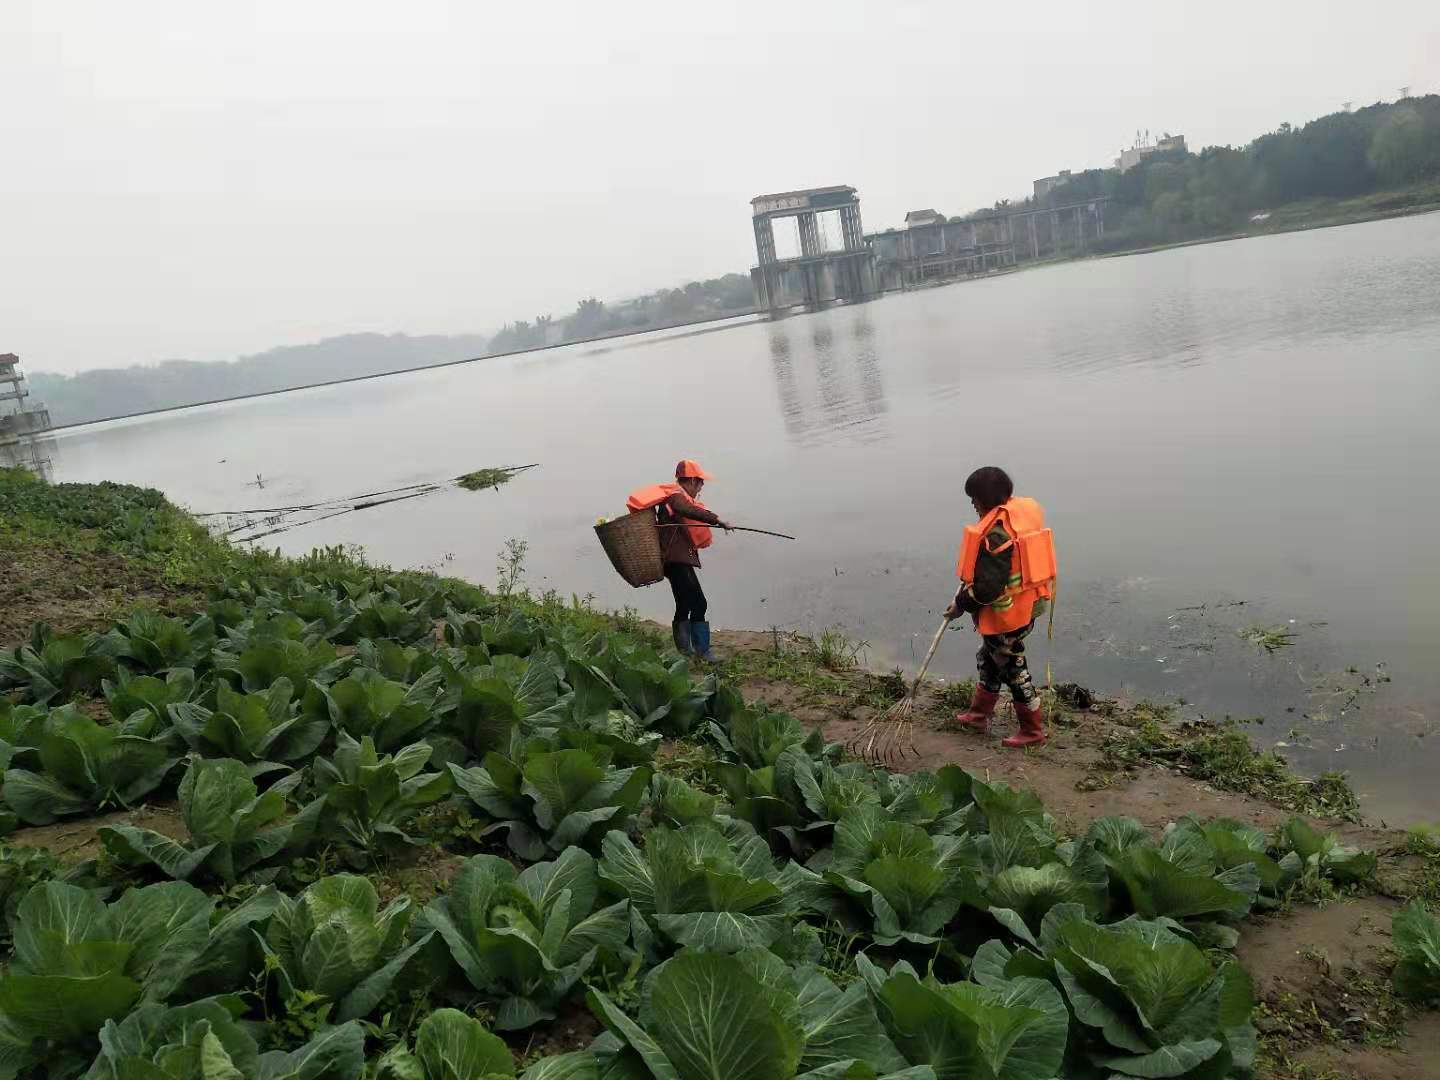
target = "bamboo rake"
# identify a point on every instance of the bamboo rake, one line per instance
(887, 737)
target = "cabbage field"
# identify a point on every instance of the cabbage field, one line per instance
(777, 912)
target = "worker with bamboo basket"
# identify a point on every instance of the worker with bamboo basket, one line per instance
(1007, 580)
(684, 525)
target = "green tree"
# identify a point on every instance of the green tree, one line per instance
(1402, 151)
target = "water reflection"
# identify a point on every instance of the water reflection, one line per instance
(832, 380)
(37, 455)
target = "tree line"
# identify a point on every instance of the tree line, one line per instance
(1176, 194)
(106, 392)
(730, 294)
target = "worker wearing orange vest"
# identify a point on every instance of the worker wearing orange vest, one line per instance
(1007, 574)
(684, 524)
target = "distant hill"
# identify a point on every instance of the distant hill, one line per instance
(95, 395)
(107, 392)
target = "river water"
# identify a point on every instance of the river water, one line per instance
(1225, 437)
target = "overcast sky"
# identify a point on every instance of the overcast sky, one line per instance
(200, 180)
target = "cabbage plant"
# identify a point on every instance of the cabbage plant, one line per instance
(528, 937)
(391, 713)
(675, 803)
(264, 729)
(334, 942)
(747, 1017)
(262, 664)
(452, 1046)
(1322, 854)
(1415, 933)
(334, 1053)
(907, 884)
(179, 1042)
(150, 695)
(370, 797)
(1183, 878)
(756, 737)
(707, 888)
(54, 667)
(1005, 1029)
(378, 616)
(554, 799)
(486, 705)
(233, 829)
(1146, 1000)
(83, 767)
(152, 643)
(402, 663)
(20, 727)
(80, 962)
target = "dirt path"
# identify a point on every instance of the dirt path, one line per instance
(74, 840)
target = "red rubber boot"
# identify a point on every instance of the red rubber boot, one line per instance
(1032, 727)
(982, 707)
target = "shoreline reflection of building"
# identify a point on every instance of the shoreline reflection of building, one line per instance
(833, 383)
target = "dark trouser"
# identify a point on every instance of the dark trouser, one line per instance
(690, 601)
(1002, 663)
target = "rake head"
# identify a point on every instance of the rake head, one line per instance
(887, 738)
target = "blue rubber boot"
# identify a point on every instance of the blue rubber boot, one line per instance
(700, 638)
(680, 630)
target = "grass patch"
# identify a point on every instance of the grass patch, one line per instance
(956, 695)
(793, 659)
(1224, 758)
(835, 652)
(825, 670)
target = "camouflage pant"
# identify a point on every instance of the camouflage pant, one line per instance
(1001, 660)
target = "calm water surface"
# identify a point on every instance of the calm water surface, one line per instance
(1227, 436)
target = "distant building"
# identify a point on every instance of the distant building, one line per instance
(22, 422)
(916, 219)
(1128, 159)
(1047, 184)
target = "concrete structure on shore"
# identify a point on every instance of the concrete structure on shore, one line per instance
(934, 248)
(23, 422)
(930, 248)
(819, 275)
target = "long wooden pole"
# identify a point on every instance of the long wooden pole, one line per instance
(733, 528)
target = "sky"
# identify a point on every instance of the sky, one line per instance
(204, 180)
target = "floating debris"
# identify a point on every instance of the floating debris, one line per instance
(1270, 638)
(481, 479)
(246, 525)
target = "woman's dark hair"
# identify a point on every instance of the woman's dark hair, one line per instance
(991, 486)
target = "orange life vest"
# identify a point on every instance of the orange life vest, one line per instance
(647, 498)
(1032, 566)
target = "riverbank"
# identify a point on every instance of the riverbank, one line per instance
(81, 556)
(1312, 214)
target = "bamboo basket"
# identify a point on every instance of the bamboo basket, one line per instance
(633, 544)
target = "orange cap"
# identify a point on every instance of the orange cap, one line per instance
(690, 470)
